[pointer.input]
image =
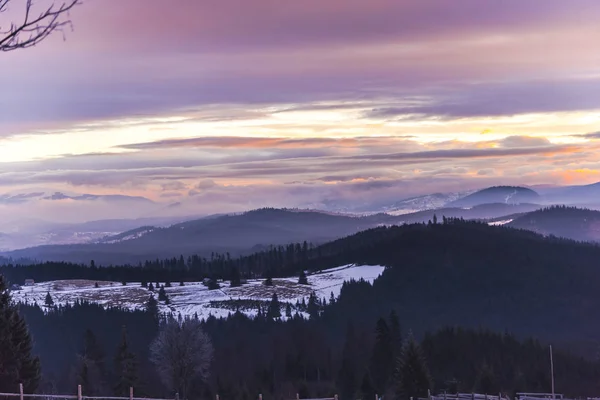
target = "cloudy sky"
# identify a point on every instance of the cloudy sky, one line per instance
(234, 104)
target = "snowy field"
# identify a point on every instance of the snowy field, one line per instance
(194, 297)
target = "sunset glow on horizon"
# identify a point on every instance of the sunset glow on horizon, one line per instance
(224, 106)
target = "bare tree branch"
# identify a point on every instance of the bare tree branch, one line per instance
(182, 354)
(31, 29)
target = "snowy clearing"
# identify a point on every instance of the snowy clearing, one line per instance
(194, 297)
(499, 223)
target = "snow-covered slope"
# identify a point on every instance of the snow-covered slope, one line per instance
(194, 297)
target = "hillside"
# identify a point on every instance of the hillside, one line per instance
(196, 299)
(240, 234)
(498, 194)
(454, 273)
(567, 222)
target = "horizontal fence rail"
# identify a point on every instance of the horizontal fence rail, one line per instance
(79, 396)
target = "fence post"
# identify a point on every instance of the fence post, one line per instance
(78, 392)
(20, 391)
(130, 392)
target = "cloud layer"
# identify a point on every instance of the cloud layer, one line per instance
(232, 104)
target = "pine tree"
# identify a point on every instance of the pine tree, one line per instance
(168, 284)
(236, 279)
(17, 364)
(412, 375)
(366, 387)
(382, 360)
(162, 294)
(303, 279)
(395, 334)
(313, 307)
(348, 375)
(144, 284)
(331, 299)
(288, 311)
(125, 367)
(49, 302)
(268, 278)
(91, 370)
(96, 285)
(181, 283)
(124, 283)
(151, 287)
(274, 310)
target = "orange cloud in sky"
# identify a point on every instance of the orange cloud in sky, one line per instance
(578, 176)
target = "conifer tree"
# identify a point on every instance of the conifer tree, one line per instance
(348, 375)
(268, 278)
(236, 279)
(274, 310)
(331, 299)
(17, 364)
(49, 301)
(91, 370)
(395, 334)
(366, 387)
(412, 375)
(303, 279)
(181, 283)
(382, 360)
(313, 307)
(151, 287)
(125, 367)
(162, 294)
(288, 311)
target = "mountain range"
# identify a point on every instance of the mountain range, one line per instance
(115, 241)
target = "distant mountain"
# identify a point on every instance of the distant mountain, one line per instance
(230, 233)
(498, 194)
(93, 197)
(239, 234)
(584, 195)
(568, 222)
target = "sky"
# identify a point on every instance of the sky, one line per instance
(206, 106)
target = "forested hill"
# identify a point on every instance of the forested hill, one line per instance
(449, 273)
(498, 194)
(241, 234)
(569, 222)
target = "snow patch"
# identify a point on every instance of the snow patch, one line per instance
(194, 297)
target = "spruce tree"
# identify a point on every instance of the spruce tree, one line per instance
(348, 375)
(303, 280)
(268, 278)
(288, 311)
(412, 375)
(331, 299)
(395, 334)
(17, 364)
(151, 287)
(49, 301)
(274, 310)
(366, 387)
(236, 279)
(125, 367)
(162, 294)
(382, 360)
(91, 371)
(313, 307)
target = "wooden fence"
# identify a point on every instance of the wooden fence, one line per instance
(23, 396)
